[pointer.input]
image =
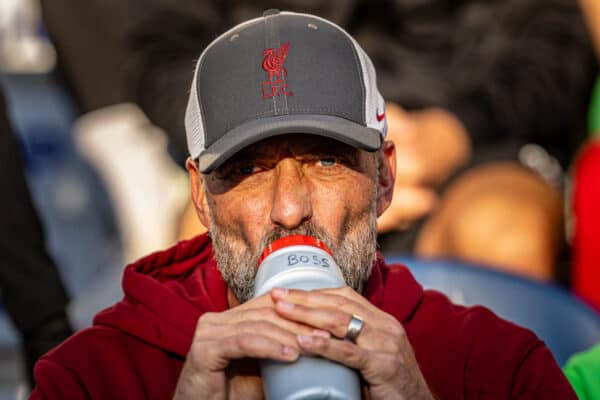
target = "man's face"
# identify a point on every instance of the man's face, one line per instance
(291, 184)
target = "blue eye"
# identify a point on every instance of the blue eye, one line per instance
(328, 161)
(247, 170)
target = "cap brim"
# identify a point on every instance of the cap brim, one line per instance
(341, 129)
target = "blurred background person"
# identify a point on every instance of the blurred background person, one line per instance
(586, 187)
(591, 12)
(583, 372)
(147, 190)
(31, 288)
(30, 285)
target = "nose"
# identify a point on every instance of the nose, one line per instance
(291, 195)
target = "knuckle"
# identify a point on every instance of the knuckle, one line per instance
(342, 319)
(205, 318)
(245, 326)
(350, 351)
(393, 346)
(341, 301)
(298, 293)
(241, 341)
(320, 343)
(338, 320)
(264, 313)
(390, 363)
(202, 326)
(259, 326)
(300, 329)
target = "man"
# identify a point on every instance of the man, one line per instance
(286, 129)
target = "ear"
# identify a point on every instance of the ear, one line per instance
(198, 192)
(387, 175)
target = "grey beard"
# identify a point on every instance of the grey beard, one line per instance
(355, 253)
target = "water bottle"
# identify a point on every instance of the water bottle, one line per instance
(303, 262)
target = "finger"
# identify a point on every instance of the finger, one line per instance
(330, 320)
(215, 355)
(269, 314)
(257, 303)
(342, 351)
(370, 338)
(266, 328)
(342, 299)
(368, 311)
(262, 301)
(375, 367)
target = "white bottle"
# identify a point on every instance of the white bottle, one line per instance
(303, 262)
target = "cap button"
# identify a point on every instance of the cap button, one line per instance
(271, 11)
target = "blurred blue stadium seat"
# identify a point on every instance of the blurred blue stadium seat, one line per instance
(561, 320)
(72, 203)
(70, 198)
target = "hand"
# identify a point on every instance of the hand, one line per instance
(382, 352)
(221, 362)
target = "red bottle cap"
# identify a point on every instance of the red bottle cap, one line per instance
(293, 240)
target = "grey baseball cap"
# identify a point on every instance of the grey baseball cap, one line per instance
(282, 73)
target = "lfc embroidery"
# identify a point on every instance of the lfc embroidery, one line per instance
(273, 64)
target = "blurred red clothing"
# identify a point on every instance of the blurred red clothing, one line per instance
(586, 205)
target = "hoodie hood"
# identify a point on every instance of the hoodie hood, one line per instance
(167, 291)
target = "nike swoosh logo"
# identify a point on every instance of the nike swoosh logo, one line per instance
(380, 117)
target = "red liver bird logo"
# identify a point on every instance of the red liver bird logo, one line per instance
(273, 63)
(274, 59)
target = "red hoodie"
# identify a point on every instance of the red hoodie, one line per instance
(136, 348)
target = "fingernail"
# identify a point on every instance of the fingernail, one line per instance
(321, 333)
(280, 292)
(289, 351)
(285, 306)
(305, 340)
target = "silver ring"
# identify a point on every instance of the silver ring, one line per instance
(355, 327)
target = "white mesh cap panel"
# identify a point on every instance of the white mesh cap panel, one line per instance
(194, 128)
(375, 105)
